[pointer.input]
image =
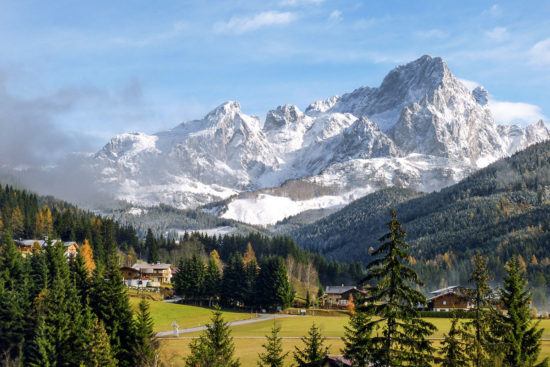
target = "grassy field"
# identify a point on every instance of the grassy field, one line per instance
(186, 316)
(249, 338)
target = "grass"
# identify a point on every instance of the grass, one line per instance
(249, 338)
(186, 316)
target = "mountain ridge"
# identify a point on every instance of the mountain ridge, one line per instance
(421, 129)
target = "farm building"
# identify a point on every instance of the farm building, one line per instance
(450, 298)
(339, 296)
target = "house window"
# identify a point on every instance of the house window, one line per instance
(444, 302)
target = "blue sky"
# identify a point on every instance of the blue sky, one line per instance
(80, 72)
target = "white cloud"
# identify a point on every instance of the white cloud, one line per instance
(498, 34)
(470, 84)
(540, 52)
(515, 112)
(241, 25)
(335, 16)
(300, 2)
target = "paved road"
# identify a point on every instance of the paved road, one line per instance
(260, 318)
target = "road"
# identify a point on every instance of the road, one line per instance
(260, 318)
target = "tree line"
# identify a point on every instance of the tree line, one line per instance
(56, 311)
(243, 282)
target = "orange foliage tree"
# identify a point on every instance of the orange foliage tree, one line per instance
(88, 254)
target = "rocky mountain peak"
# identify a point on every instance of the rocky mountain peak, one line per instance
(481, 95)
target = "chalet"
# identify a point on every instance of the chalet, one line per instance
(26, 246)
(339, 296)
(156, 273)
(450, 298)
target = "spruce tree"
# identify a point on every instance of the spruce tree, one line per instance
(212, 281)
(478, 328)
(94, 341)
(515, 330)
(272, 287)
(233, 290)
(110, 302)
(147, 344)
(273, 355)
(452, 347)
(358, 334)
(314, 352)
(214, 348)
(151, 246)
(392, 301)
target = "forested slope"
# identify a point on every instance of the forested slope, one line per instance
(501, 210)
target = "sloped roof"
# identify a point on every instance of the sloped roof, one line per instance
(151, 266)
(338, 289)
(42, 243)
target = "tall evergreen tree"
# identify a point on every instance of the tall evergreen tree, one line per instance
(109, 301)
(152, 247)
(273, 355)
(515, 330)
(358, 334)
(478, 328)
(452, 347)
(314, 351)
(404, 336)
(212, 280)
(233, 290)
(96, 347)
(214, 348)
(272, 287)
(147, 344)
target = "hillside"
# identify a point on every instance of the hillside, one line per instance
(501, 210)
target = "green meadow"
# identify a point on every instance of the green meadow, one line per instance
(250, 337)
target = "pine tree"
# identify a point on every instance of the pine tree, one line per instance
(273, 355)
(520, 337)
(212, 280)
(39, 349)
(308, 299)
(233, 292)
(272, 287)
(314, 352)
(147, 344)
(358, 334)
(80, 276)
(478, 328)
(404, 336)
(151, 246)
(214, 348)
(96, 348)
(452, 347)
(109, 301)
(12, 322)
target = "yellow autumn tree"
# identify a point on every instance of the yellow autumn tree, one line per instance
(1, 223)
(44, 222)
(534, 260)
(216, 256)
(88, 255)
(249, 255)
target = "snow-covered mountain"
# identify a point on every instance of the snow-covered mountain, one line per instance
(421, 128)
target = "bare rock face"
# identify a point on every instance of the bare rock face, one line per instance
(421, 128)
